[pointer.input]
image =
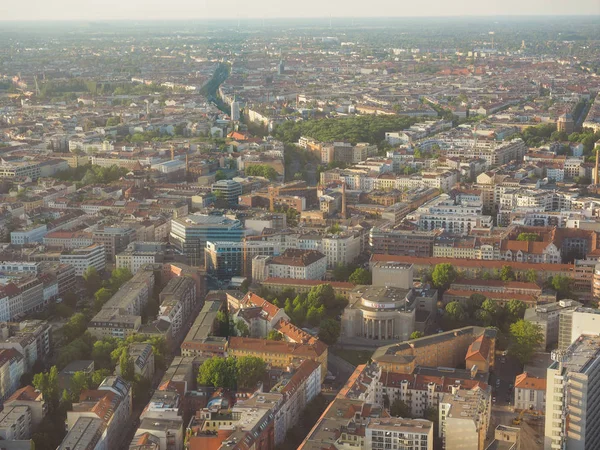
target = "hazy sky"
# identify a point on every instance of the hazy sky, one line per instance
(192, 9)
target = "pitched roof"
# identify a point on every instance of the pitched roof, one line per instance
(526, 381)
(479, 349)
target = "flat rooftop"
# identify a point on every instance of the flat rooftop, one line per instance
(580, 354)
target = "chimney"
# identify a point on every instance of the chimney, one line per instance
(343, 199)
(186, 166)
(172, 152)
(271, 199)
(596, 177)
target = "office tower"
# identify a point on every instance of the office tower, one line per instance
(190, 234)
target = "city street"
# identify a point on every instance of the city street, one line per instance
(502, 381)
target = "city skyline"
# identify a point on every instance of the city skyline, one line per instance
(270, 9)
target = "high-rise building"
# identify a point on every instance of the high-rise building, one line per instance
(573, 397)
(190, 234)
(575, 322)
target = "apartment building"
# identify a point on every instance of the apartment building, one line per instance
(114, 240)
(277, 285)
(447, 214)
(177, 303)
(111, 403)
(30, 338)
(28, 235)
(68, 239)
(139, 254)
(573, 396)
(18, 169)
(12, 367)
(93, 256)
(464, 418)
(402, 242)
(293, 263)
(15, 423)
(121, 315)
(32, 399)
(200, 339)
(408, 434)
(298, 388)
(279, 353)
(86, 434)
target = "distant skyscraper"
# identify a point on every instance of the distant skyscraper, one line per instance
(281, 67)
(235, 111)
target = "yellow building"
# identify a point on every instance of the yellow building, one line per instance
(279, 353)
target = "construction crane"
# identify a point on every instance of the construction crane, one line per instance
(517, 420)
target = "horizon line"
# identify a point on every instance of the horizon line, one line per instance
(245, 18)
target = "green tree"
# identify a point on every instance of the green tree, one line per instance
(398, 408)
(360, 276)
(443, 275)
(92, 280)
(315, 315)
(223, 324)
(531, 276)
(416, 335)
(329, 331)
(241, 329)
(525, 338)
(250, 370)
(47, 384)
(101, 296)
(530, 237)
(562, 285)
(75, 327)
(119, 277)
(274, 335)
(126, 366)
(98, 377)
(342, 272)
(218, 372)
(455, 311)
(507, 273)
(220, 175)
(245, 285)
(79, 382)
(483, 317)
(516, 309)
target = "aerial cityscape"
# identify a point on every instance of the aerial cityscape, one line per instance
(300, 228)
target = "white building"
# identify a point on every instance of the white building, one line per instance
(28, 235)
(444, 212)
(83, 258)
(530, 393)
(139, 254)
(298, 264)
(341, 249)
(573, 397)
(399, 433)
(575, 322)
